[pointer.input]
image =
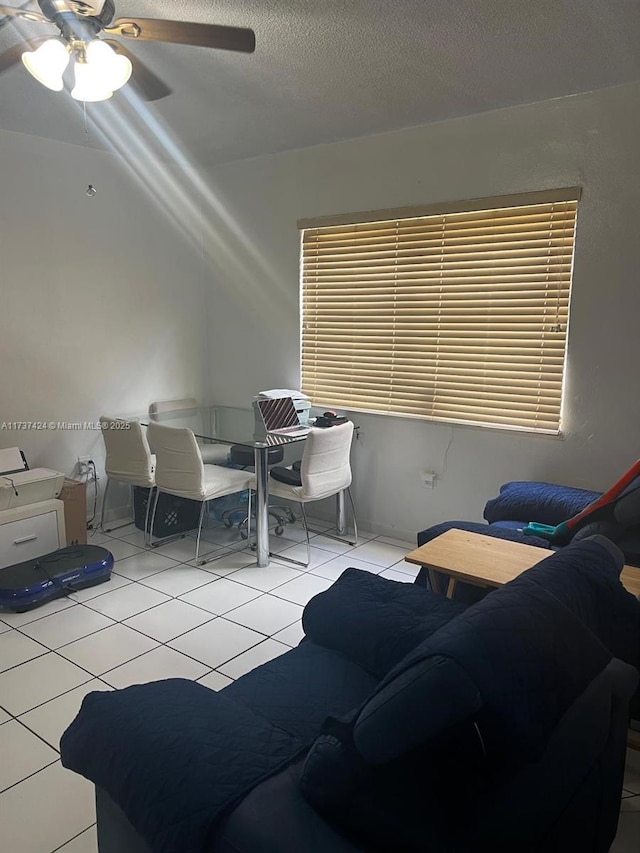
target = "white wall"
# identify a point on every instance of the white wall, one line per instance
(592, 140)
(102, 299)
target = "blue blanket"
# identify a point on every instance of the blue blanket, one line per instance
(174, 756)
(545, 503)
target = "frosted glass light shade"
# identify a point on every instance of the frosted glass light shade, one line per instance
(47, 63)
(101, 74)
(112, 69)
(89, 87)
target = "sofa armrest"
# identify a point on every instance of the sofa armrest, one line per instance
(375, 621)
(546, 503)
(173, 755)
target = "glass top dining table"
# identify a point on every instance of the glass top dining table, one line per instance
(232, 425)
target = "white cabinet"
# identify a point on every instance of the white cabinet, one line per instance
(31, 531)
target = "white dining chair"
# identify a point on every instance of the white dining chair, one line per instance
(188, 413)
(128, 460)
(180, 471)
(325, 470)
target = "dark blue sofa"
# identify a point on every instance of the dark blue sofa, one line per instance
(523, 501)
(402, 722)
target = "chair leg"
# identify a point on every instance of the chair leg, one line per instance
(147, 531)
(353, 513)
(249, 520)
(290, 559)
(153, 516)
(104, 503)
(119, 526)
(202, 511)
(306, 530)
(348, 539)
(164, 540)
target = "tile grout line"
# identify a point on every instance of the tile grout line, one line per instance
(69, 840)
(29, 775)
(31, 731)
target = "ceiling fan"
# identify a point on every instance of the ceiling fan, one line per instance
(103, 65)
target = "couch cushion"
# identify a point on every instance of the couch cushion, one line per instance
(276, 817)
(512, 533)
(375, 621)
(297, 691)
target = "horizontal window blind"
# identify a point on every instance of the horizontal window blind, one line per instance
(451, 316)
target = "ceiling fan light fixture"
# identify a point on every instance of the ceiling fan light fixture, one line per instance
(102, 72)
(110, 67)
(47, 63)
(89, 87)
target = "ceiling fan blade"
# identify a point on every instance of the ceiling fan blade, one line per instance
(182, 32)
(149, 85)
(27, 14)
(13, 55)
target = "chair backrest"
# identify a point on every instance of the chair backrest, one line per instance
(185, 413)
(128, 459)
(179, 467)
(163, 409)
(325, 468)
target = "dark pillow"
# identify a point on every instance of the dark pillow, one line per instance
(529, 656)
(417, 704)
(375, 621)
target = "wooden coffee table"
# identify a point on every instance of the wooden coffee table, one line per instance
(487, 561)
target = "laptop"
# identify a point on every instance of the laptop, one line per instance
(280, 417)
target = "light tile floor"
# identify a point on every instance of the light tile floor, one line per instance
(161, 616)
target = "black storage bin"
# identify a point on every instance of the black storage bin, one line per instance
(173, 514)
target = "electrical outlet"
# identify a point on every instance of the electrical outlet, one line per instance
(84, 466)
(428, 479)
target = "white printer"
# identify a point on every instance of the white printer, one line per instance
(20, 486)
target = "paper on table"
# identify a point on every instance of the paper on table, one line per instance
(12, 460)
(283, 392)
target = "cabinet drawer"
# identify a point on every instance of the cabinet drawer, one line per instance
(27, 538)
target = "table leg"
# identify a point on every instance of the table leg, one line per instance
(434, 581)
(341, 513)
(451, 587)
(262, 505)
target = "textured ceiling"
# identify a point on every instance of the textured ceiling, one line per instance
(326, 70)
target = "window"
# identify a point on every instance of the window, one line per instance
(455, 314)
